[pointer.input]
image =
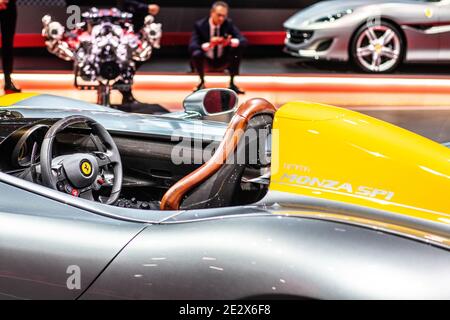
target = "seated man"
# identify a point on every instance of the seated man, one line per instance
(217, 44)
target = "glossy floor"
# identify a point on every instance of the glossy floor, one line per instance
(417, 103)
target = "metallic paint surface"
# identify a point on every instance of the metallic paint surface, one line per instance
(41, 238)
(422, 45)
(11, 99)
(287, 203)
(268, 256)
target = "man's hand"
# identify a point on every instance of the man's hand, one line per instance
(153, 9)
(215, 41)
(227, 41)
(3, 4)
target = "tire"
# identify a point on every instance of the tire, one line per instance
(378, 48)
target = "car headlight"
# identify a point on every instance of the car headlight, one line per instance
(334, 17)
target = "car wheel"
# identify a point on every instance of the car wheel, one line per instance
(378, 48)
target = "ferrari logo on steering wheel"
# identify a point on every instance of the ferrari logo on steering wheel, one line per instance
(86, 168)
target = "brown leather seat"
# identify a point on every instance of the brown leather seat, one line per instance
(173, 198)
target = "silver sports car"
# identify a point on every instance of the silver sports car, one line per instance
(375, 35)
(305, 201)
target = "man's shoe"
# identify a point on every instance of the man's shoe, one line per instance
(235, 88)
(11, 88)
(128, 98)
(200, 86)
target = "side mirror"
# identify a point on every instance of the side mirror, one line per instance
(211, 102)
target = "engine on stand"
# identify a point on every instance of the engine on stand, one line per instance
(104, 48)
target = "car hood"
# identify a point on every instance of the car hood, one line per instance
(55, 107)
(325, 8)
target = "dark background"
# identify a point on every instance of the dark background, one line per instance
(207, 3)
(175, 15)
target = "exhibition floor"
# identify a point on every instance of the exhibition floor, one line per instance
(259, 60)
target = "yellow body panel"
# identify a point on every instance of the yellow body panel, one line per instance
(340, 155)
(13, 98)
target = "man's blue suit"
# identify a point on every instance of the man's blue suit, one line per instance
(231, 57)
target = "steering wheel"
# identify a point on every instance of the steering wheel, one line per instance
(80, 173)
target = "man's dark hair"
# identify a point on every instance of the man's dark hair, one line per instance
(220, 4)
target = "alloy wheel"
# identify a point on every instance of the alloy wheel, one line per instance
(378, 48)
